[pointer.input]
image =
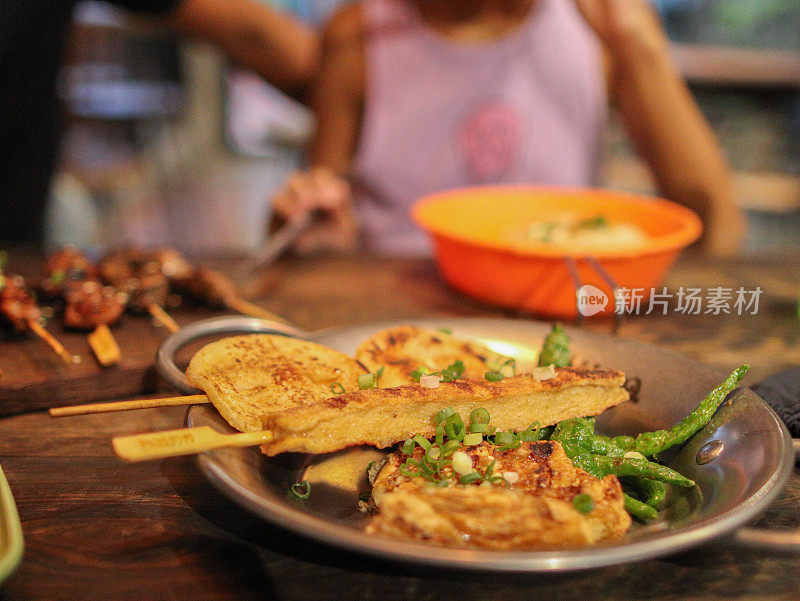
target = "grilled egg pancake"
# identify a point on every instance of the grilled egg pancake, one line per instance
(403, 349)
(384, 416)
(530, 507)
(248, 376)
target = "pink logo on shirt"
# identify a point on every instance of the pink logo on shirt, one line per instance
(490, 141)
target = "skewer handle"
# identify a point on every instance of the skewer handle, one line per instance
(104, 346)
(162, 317)
(184, 441)
(247, 308)
(54, 344)
(194, 399)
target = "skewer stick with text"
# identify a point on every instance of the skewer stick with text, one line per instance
(184, 441)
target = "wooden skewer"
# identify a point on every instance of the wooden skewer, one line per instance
(194, 399)
(54, 344)
(247, 308)
(184, 441)
(162, 317)
(104, 347)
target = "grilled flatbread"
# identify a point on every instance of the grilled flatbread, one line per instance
(530, 507)
(403, 349)
(382, 417)
(248, 376)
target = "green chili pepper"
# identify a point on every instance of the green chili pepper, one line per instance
(651, 443)
(577, 436)
(623, 466)
(654, 490)
(639, 510)
(555, 350)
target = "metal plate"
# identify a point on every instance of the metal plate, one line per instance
(732, 487)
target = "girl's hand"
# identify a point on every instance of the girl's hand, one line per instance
(326, 196)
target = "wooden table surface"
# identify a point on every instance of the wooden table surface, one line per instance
(96, 528)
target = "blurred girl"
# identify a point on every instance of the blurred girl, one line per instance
(417, 96)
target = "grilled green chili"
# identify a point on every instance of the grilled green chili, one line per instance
(658, 441)
(555, 350)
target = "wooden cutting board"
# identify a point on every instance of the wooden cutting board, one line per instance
(32, 377)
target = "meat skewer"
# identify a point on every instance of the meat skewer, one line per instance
(20, 310)
(129, 271)
(206, 285)
(88, 305)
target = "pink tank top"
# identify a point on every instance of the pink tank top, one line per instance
(527, 108)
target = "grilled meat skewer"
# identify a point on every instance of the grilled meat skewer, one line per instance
(130, 271)
(19, 309)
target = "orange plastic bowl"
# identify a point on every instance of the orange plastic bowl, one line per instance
(474, 232)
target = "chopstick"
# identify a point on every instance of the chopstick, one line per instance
(183, 441)
(193, 399)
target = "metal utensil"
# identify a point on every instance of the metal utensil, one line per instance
(273, 247)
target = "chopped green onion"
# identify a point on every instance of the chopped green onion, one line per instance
(408, 447)
(502, 438)
(479, 421)
(470, 478)
(511, 363)
(442, 483)
(379, 373)
(367, 381)
(532, 433)
(422, 441)
(446, 330)
(493, 376)
(434, 453)
(300, 490)
(487, 474)
(418, 373)
(337, 388)
(408, 473)
(443, 415)
(454, 427)
(453, 371)
(583, 503)
(598, 221)
(440, 434)
(450, 447)
(472, 439)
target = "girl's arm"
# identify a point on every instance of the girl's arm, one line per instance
(337, 101)
(283, 51)
(663, 119)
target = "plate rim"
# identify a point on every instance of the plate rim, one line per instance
(317, 528)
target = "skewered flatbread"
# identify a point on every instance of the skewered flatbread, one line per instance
(382, 417)
(248, 376)
(403, 349)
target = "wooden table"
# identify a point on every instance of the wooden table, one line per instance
(98, 529)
